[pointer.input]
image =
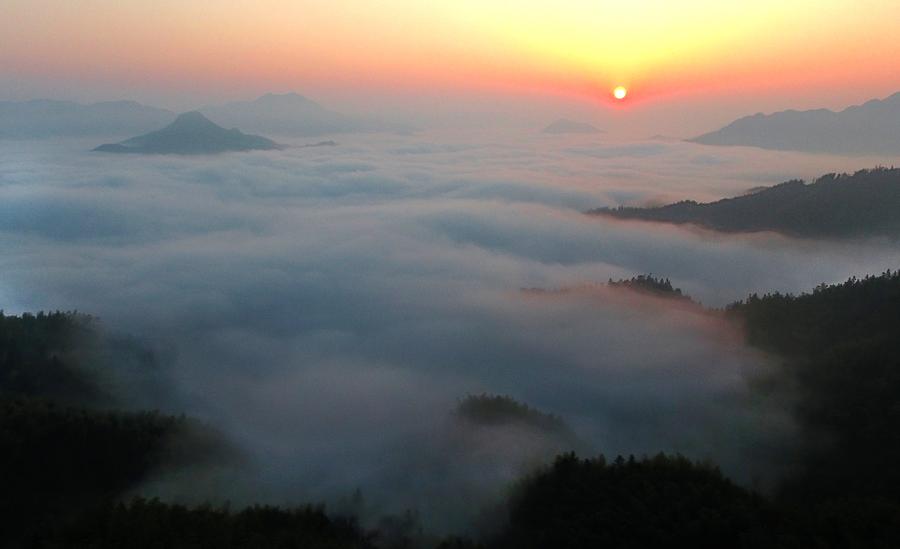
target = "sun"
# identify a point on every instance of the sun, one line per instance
(620, 92)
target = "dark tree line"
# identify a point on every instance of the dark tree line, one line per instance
(151, 524)
(653, 502)
(485, 409)
(839, 349)
(58, 461)
(661, 287)
(838, 354)
(66, 461)
(38, 357)
(65, 467)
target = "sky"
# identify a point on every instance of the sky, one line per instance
(688, 64)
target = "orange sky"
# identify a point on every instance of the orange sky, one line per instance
(660, 49)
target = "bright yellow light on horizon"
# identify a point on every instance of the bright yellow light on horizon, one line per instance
(620, 92)
(575, 47)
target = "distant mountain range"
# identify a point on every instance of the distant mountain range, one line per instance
(286, 114)
(47, 118)
(871, 128)
(191, 133)
(834, 206)
(564, 125)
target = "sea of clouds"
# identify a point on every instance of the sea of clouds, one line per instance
(326, 307)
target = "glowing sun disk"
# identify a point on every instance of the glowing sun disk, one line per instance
(620, 92)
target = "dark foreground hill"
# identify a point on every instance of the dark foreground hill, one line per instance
(63, 449)
(840, 361)
(836, 361)
(870, 128)
(191, 133)
(835, 366)
(834, 206)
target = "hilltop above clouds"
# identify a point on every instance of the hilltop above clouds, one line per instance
(870, 128)
(191, 133)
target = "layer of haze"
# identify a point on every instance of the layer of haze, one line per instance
(690, 65)
(326, 307)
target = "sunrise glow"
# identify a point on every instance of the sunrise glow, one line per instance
(664, 47)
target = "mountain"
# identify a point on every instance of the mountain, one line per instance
(47, 118)
(285, 114)
(564, 125)
(871, 128)
(838, 350)
(834, 206)
(191, 133)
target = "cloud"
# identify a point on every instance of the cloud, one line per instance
(636, 150)
(326, 307)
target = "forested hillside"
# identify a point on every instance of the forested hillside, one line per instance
(839, 352)
(834, 206)
(67, 460)
(69, 464)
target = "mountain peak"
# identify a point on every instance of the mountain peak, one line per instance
(192, 120)
(869, 128)
(289, 98)
(191, 133)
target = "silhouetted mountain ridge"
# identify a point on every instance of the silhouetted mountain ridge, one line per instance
(288, 114)
(870, 128)
(834, 206)
(191, 133)
(285, 114)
